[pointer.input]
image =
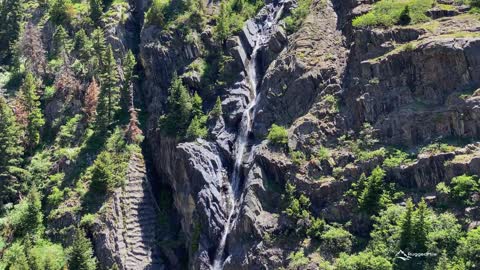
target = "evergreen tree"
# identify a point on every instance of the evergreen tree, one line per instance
(31, 218)
(108, 104)
(61, 43)
(61, 12)
(217, 109)
(83, 46)
(11, 16)
(99, 45)
(197, 128)
(81, 256)
(103, 174)
(11, 152)
(222, 29)
(31, 104)
(34, 211)
(421, 227)
(406, 233)
(197, 105)
(126, 98)
(96, 8)
(10, 147)
(369, 199)
(179, 107)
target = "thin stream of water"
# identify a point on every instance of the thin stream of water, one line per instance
(242, 139)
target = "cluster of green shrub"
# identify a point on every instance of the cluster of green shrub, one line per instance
(335, 239)
(363, 147)
(461, 189)
(277, 135)
(393, 12)
(396, 158)
(232, 15)
(184, 15)
(295, 20)
(436, 148)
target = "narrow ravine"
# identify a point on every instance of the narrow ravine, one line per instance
(246, 124)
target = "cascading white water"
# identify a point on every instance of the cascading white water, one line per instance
(242, 138)
(241, 145)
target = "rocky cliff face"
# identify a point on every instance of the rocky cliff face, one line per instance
(127, 231)
(413, 84)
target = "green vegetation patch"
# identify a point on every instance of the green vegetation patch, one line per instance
(277, 135)
(233, 14)
(392, 12)
(295, 20)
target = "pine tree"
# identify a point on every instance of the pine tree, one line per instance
(96, 8)
(179, 108)
(31, 104)
(99, 45)
(103, 174)
(61, 12)
(11, 16)
(369, 199)
(217, 109)
(222, 29)
(81, 256)
(90, 101)
(197, 105)
(406, 233)
(126, 98)
(34, 211)
(31, 219)
(421, 227)
(108, 104)
(83, 46)
(61, 43)
(197, 128)
(10, 147)
(11, 152)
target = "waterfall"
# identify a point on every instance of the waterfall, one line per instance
(245, 128)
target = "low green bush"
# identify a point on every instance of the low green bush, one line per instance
(363, 260)
(396, 159)
(295, 20)
(323, 153)
(277, 135)
(297, 157)
(391, 12)
(336, 240)
(297, 259)
(437, 148)
(463, 186)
